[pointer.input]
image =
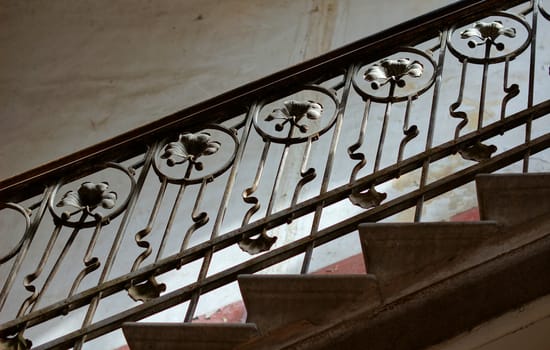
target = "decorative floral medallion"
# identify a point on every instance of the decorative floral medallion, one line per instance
(196, 156)
(487, 33)
(295, 111)
(393, 71)
(501, 30)
(306, 114)
(88, 197)
(407, 67)
(190, 147)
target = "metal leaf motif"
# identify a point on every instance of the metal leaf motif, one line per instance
(487, 33)
(190, 147)
(369, 199)
(147, 290)
(257, 245)
(390, 70)
(89, 195)
(17, 342)
(294, 111)
(478, 152)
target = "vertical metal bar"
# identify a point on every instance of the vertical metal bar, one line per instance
(173, 212)
(199, 219)
(170, 222)
(33, 276)
(250, 190)
(254, 108)
(455, 105)
(60, 259)
(145, 232)
(33, 227)
(530, 97)
(306, 174)
(330, 163)
(90, 264)
(387, 113)
(192, 308)
(359, 143)
(276, 184)
(483, 87)
(94, 303)
(234, 171)
(511, 91)
(431, 125)
(129, 211)
(278, 176)
(405, 130)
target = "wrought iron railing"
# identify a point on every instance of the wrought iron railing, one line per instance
(394, 126)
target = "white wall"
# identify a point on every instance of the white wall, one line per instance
(73, 73)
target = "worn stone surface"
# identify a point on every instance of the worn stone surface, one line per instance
(443, 309)
(275, 300)
(513, 198)
(408, 256)
(447, 308)
(196, 336)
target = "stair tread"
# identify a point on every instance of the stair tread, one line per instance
(408, 256)
(408, 265)
(443, 309)
(168, 336)
(274, 300)
(513, 198)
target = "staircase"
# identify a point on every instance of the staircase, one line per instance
(426, 282)
(162, 220)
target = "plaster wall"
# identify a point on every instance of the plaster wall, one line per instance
(73, 73)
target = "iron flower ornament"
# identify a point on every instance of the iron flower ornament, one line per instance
(390, 70)
(88, 197)
(17, 342)
(190, 147)
(294, 111)
(487, 33)
(147, 290)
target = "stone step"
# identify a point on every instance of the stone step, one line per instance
(443, 310)
(273, 301)
(406, 257)
(414, 271)
(512, 199)
(187, 336)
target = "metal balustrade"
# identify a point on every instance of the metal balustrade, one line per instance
(384, 128)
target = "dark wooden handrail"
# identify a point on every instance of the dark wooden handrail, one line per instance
(129, 144)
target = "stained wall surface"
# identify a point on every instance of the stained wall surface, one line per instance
(73, 73)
